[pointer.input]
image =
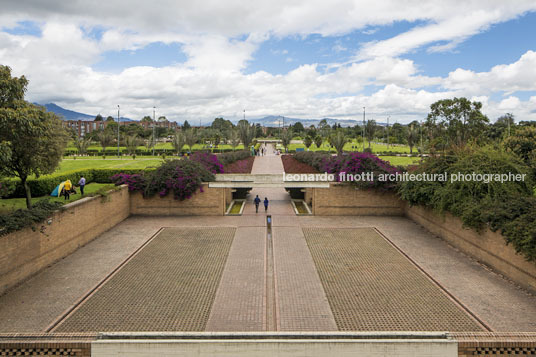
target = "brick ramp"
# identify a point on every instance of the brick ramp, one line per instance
(239, 304)
(301, 300)
(371, 286)
(169, 285)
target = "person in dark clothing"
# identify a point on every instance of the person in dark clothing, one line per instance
(265, 204)
(82, 184)
(257, 201)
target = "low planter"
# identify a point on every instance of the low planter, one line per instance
(236, 208)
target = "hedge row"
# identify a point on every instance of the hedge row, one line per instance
(142, 152)
(46, 184)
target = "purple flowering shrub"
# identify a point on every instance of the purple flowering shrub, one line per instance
(182, 177)
(209, 161)
(354, 163)
(135, 182)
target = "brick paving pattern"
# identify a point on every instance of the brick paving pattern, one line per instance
(495, 300)
(239, 302)
(169, 285)
(302, 302)
(35, 304)
(372, 287)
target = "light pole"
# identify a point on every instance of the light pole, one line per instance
(118, 122)
(363, 129)
(154, 125)
(388, 131)
(422, 149)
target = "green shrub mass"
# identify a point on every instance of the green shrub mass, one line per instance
(509, 207)
(23, 218)
(44, 185)
(230, 157)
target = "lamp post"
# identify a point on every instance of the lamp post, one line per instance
(154, 125)
(388, 131)
(363, 129)
(118, 130)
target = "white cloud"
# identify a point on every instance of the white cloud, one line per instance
(219, 38)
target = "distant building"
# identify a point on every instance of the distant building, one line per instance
(83, 127)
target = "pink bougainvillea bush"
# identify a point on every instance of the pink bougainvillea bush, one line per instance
(352, 164)
(182, 178)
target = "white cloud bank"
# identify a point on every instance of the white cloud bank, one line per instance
(219, 38)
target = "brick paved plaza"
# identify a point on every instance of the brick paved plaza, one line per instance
(228, 274)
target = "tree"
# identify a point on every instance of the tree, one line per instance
(82, 145)
(502, 128)
(32, 141)
(522, 143)
(131, 143)
(150, 142)
(186, 125)
(246, 133)
(308, 141)
(460, 118)
(110, 118)
(105, 139)
(178, 142)
(286, 137)
(235, 138)
(190, 137)
(146, 119)
(12, 89)
(221, 124)
(413, 136)
(318, 141)
(370, 130)
(298, 127)
(338, 140)
(98, 118)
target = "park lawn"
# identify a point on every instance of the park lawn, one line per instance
(401, 160)
(356, 146)
(166, 146)
(89, 162)
(8, 205)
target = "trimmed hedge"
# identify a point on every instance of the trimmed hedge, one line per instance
(44, 185)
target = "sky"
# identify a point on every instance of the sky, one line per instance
(197, 60)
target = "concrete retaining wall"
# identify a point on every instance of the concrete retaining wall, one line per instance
(487, 247)
(25, 252)
(210, 202)
(344, 200)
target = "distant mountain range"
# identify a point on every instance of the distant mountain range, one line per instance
(276, 120)
(67, 114)
(269, 121)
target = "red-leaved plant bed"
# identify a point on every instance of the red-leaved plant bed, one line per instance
(293, 166)
(243, 166)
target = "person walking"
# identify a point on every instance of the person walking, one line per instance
(265, 204)
(82, 184)
(67, 189)
(257, 201)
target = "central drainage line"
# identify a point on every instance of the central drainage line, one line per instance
(271, 306)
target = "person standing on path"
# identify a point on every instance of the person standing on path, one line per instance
(257, 201)
(265, 204)
(82, 184)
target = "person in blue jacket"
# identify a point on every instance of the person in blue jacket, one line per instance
(265, 204)
(257, 201)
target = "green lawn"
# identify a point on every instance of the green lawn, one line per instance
(88, 162)
(166, 146)
(12, 204)
(355, 146)
(401, 160)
